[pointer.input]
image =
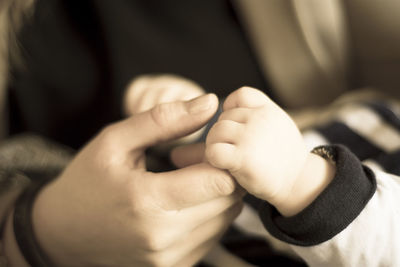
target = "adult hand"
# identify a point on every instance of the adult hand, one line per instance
(186, 155)
(147, 91)
(106, 210)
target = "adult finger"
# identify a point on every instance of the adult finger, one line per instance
(191, 186)
(245, 97)
(199, 214)
(198, 254)
(162, 123)
(204, 237)
(179, 90)
(174, 225)
(183, 156)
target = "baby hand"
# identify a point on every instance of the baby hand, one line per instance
(259, 144)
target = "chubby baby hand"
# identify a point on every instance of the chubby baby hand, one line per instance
(259, 144)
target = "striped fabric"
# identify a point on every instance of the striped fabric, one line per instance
(369, 129)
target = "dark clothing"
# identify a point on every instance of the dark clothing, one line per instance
(80, 55)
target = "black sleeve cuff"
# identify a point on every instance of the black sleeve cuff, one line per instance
(333, 210)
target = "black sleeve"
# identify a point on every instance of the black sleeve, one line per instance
(333, 210)
(64, 77)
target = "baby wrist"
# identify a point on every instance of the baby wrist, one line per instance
(318, 171)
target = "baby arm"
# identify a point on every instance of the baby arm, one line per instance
(260, 145)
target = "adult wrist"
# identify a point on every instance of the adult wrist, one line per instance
(22, 225)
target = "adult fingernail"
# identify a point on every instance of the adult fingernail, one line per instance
(201, 104)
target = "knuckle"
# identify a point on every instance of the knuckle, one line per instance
(209, 154)
(245, 94)
(108, 135)
(244, 91)
(161, 114)
(154, 242)
(251, 97)
(217, 156)
(228, 115)
(220, 127)
(211, 136)
(104, 151)
(242, 97)
(224, 116)
(246, 98)
(262, 115)
(107, 152)
(213, 155)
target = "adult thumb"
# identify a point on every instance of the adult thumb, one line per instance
(167, 121)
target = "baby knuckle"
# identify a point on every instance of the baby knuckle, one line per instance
(222, 125)
(218, 130)
(258, 115)
(244, 91)
(213, 155)
(251, 97)
(212, 134)
(246, 95)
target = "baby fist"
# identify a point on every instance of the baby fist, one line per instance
(258, 143)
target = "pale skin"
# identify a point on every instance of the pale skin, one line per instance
(105, 209)
(261, 146)
(213, 200)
